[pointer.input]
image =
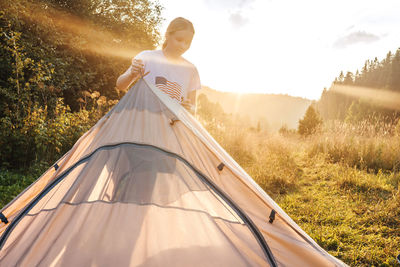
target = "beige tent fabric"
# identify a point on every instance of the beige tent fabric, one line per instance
(138, 190)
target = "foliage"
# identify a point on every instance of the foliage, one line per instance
(376, 74)
(12, 183)
(40, 136)
(310, 122)
(59, 62)
(358, 111)
(35, 124)
(87, 43)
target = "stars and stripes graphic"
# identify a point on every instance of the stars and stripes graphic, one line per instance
(173, 89)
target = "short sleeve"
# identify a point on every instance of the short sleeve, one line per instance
(141, 55)
(195, 80)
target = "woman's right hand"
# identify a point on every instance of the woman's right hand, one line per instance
(137, 67)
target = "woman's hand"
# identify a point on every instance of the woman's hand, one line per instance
(189, 107)
(137, 67)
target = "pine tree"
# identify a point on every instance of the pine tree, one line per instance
(395, 74)
(340, 79)
(387, 70)
(310, 122)
(349, 79)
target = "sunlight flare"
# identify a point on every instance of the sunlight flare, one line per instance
(96, 40)
(384, 98)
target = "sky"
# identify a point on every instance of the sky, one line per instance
(284, 46)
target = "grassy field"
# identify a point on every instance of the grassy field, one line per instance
(341, 185)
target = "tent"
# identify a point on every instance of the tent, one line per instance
(148, 186)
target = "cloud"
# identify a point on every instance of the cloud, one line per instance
(238, 20)
(356, 38)
(242, 3)
(228, 4)
(233, 9)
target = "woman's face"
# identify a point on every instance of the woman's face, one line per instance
(178, 42)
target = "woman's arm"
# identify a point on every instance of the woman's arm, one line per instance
(190, 102)
(130, 75)
(192, 98)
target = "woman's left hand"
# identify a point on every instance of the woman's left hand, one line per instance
(189, 106)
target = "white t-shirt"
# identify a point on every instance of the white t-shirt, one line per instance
(176, 79)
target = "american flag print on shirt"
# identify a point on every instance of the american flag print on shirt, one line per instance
(173, 89)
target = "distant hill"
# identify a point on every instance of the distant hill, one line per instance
(270, 110)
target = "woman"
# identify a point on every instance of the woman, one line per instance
(166, 68)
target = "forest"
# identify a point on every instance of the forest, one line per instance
(335, 171)
(354, 103)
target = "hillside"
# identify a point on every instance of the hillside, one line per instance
(270, 110)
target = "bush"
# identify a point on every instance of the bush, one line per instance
(35, 124)
(11, 184)
(310, 122)
(41, 136)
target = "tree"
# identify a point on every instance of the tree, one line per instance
(310, 122)
(357, 112)
(395, 72)
(88, 43)
(380, 75)
(349, 79)
(52, 53)
(340, 79)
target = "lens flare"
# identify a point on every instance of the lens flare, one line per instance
(87, 38)
(236, 104)
(381, 97)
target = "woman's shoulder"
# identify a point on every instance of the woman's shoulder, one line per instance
(188, 64)
(146, 54)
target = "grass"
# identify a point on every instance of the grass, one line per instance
(342, 188)
(12, 183)
(352, 214)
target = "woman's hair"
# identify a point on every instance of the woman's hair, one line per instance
(177, 24)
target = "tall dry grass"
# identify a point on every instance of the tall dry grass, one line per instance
(370, 147)
(340, 185)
